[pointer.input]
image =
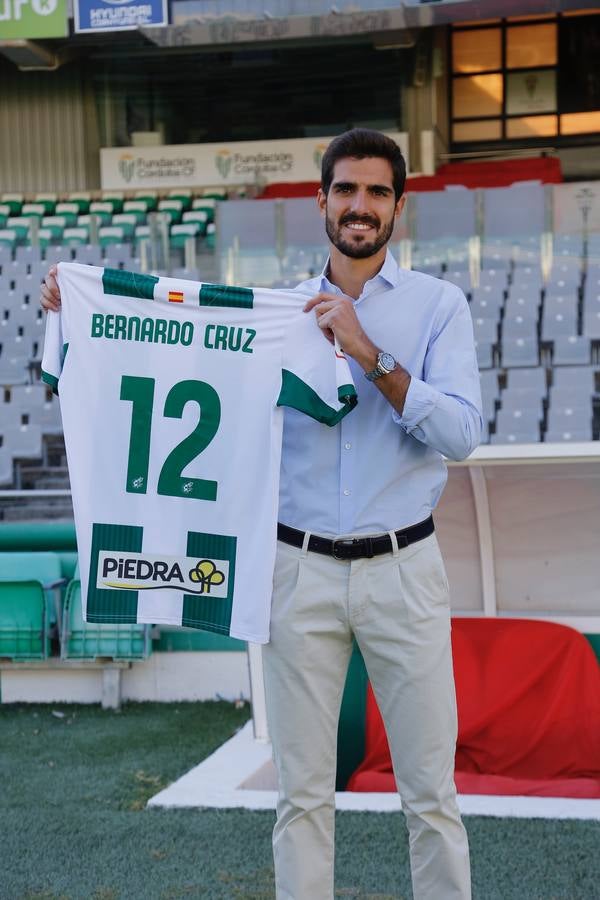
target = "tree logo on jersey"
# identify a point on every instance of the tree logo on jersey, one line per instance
(131, 571)
(223, 162)
(126, 166)
(318, 155)
(206, 575)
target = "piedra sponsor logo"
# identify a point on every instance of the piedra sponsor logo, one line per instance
(128, 571)
(133, 168)
(253, 164)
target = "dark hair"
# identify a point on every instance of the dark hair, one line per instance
(360, 143)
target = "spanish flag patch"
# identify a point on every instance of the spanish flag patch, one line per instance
(175, 297)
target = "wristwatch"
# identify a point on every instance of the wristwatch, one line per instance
(385, 364)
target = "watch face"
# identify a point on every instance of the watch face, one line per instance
(387, 361)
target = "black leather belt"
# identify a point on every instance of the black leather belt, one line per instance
(355, 548)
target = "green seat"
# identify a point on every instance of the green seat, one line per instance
(111, 234)
(46, 236)
(215, 194)
(29, 603)
(150, 198)
(115, 198)
(33, 211)
(82, 199)
(196, 215)
(138, 208)
(85, 640)
(173, 208)
(3, 220)
(14, 202)
(103, 209)
(211, 236)
(20, 225)
(75, 237)
(126, 221)
(181, 194)
(179, 234)
(207, 206)
(55, 225)
(48, 201)
(8, 238)
(69, 211)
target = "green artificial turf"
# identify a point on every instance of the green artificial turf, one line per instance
(74, 824)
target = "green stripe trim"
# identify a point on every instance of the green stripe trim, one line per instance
(224, 295)
(129, 284)
(51, 380)
(298, 395)
(204, 611)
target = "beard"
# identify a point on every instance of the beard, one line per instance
(364, 248)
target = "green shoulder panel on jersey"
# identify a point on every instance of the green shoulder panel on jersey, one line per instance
(52, 380)
(129, 284)
(299, 395)
(224, 295)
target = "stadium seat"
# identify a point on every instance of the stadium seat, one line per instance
(29, 602)
(13, 201)
(196, 215)
(14, 365)
(77, 236)
(571, 350)
(84, 640)
(138, 208)
(181, 194)
(89, 254)
(484, 351)
(28, 255)
(486, 304)
(23, 441)
(180, 234)
(485, 330)
(533, 379)
(21, 226)
(126, 221)
(103, 210)
(525, 400)
(48, 201)
(111, 234)
(207, 205)
(6, 467)
(33, 211)
(591, 323)
(211, 236)
(69, 212)
(558, 324)
(149, 198)
(115, 198)
(55, 225)
(172, 208)
(559, 436)
(523, 325)
(58, 253)
(81, 199)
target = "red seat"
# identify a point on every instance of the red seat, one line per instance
(528, 712)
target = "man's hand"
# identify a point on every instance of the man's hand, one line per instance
(337, 318)
(50, 293)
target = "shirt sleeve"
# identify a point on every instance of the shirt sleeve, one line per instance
(443, 408)
(315, 376)
(55, 349)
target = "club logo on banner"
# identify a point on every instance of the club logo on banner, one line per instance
(119, 15)
(27, 19)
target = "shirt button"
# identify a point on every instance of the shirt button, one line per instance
(347, 445)
(346, 492)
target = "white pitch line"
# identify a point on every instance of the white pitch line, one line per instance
(217, 782)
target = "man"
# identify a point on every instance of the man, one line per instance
(371, 483)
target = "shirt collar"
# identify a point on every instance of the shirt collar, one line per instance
(389, 275)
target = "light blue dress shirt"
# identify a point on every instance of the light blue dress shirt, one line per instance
(378, 470)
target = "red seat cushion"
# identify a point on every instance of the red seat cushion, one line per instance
(528, 698)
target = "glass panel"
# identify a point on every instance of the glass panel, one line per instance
(532, 126)
(531, 45)
(580, 123)
(529, 18)
(479, 22)
(530, 92)
(478, 95)
(476, 50)
(487, 130)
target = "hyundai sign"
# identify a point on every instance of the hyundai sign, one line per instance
(119, 15)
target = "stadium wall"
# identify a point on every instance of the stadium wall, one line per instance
(48, 130)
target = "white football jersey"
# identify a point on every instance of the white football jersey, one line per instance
(171, 394)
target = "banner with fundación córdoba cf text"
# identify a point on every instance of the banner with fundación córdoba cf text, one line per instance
(243, 162)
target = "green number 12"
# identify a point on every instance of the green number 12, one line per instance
(171, 483)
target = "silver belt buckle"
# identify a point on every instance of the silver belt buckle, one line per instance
(346, 541)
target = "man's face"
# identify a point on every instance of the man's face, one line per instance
(360, 207)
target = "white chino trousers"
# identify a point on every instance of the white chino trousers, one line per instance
(397, 607)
